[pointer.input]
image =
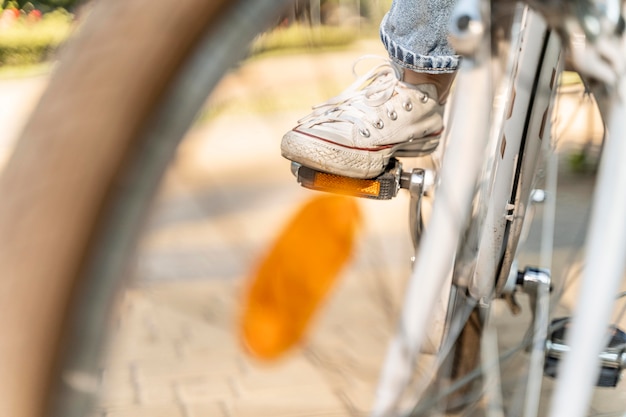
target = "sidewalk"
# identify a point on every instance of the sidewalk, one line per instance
(175, 350)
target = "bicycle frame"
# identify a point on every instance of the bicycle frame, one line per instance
(498, 228)
(104, 262)
(604, 259)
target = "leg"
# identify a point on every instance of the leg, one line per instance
(394, 110)
(416, 39)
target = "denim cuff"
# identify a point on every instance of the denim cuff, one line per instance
(428, 50)
(433, 64)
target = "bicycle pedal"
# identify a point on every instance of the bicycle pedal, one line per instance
(613, 358)
(383, 187)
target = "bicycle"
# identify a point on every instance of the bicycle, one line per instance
(66, 260)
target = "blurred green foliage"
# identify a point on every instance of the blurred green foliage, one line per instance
(43, 5)
(27, 42)
(303, 37)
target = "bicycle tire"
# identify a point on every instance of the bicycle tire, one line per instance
(87, 142)
(73, 254)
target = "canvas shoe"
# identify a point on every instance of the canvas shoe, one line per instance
(356, 133)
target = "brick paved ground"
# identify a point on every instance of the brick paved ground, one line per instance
(177, 354)
(175, 350)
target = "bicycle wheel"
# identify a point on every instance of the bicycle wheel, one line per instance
(79, 180)
(77, 259)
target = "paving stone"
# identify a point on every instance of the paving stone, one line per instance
(136, 334)
(357, 395)
(147, 411)
(205, 390)
(117, 389)
(132, 349)
(294, 371)
(206, 347)
(188, 367)
(203, 338)
(295, 400)
(157, 394)
(291, 388)
(206, 410)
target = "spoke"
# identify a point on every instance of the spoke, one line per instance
(542, 303)
(493, 383)
(604, 258)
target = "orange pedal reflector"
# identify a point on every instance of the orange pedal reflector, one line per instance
(383, 187)
(339, 184)
(298, 273)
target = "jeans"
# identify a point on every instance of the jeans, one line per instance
(415, 32)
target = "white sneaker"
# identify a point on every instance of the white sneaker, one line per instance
(377, 117)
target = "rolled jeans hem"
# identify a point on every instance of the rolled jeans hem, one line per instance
(433, 64)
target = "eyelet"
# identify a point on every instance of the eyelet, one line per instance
(379, 124)
(392, 115)
(408, 106)
(364, 132)
(424, 98)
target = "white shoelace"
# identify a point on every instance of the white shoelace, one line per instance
(355, 104)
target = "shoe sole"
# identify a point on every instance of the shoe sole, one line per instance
(350, 162)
